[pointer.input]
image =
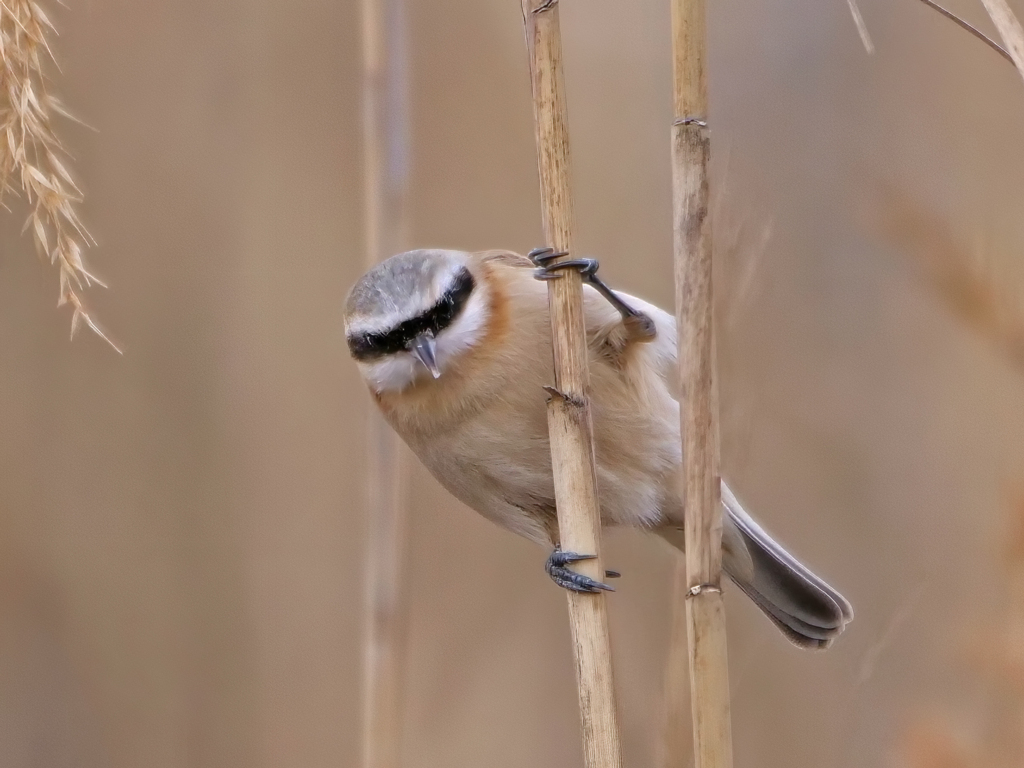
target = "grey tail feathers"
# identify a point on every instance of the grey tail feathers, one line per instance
(807, 610)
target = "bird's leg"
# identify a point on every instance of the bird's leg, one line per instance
(639, 326)
(566, 578)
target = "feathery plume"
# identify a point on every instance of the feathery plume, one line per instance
(30, 154)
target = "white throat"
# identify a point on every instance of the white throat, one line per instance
(395, 372)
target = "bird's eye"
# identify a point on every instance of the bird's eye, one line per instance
(400, 338)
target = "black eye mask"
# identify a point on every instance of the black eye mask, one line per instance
(368, 346)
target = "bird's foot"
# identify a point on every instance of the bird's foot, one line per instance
(640, 326)
(566, 578)
(545, 255)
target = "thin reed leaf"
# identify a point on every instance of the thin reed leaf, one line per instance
(970, 28)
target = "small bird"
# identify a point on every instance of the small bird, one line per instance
(456, 350)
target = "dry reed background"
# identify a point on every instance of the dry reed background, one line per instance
(182, 527)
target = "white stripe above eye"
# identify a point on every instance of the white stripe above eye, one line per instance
(391, 311)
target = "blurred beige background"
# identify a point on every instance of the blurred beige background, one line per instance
(181, 529)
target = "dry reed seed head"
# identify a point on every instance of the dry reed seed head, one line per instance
(927, 745)
(29, 153)
(995, 738)
(966, 281)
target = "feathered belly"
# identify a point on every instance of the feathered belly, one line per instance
(500, 465)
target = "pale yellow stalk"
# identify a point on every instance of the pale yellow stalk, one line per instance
(691, 149)
(1009, 29)
(569, 420)
(385, 144)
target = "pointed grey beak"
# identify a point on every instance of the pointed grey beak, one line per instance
(424, 348)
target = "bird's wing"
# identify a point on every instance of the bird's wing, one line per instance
(605, 332)
(608, 337)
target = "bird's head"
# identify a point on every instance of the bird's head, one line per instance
(409, 317)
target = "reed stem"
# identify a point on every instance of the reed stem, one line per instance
(1009, 29)
(569, 419)
(691, 149)
(386, 143)
(676, 746)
